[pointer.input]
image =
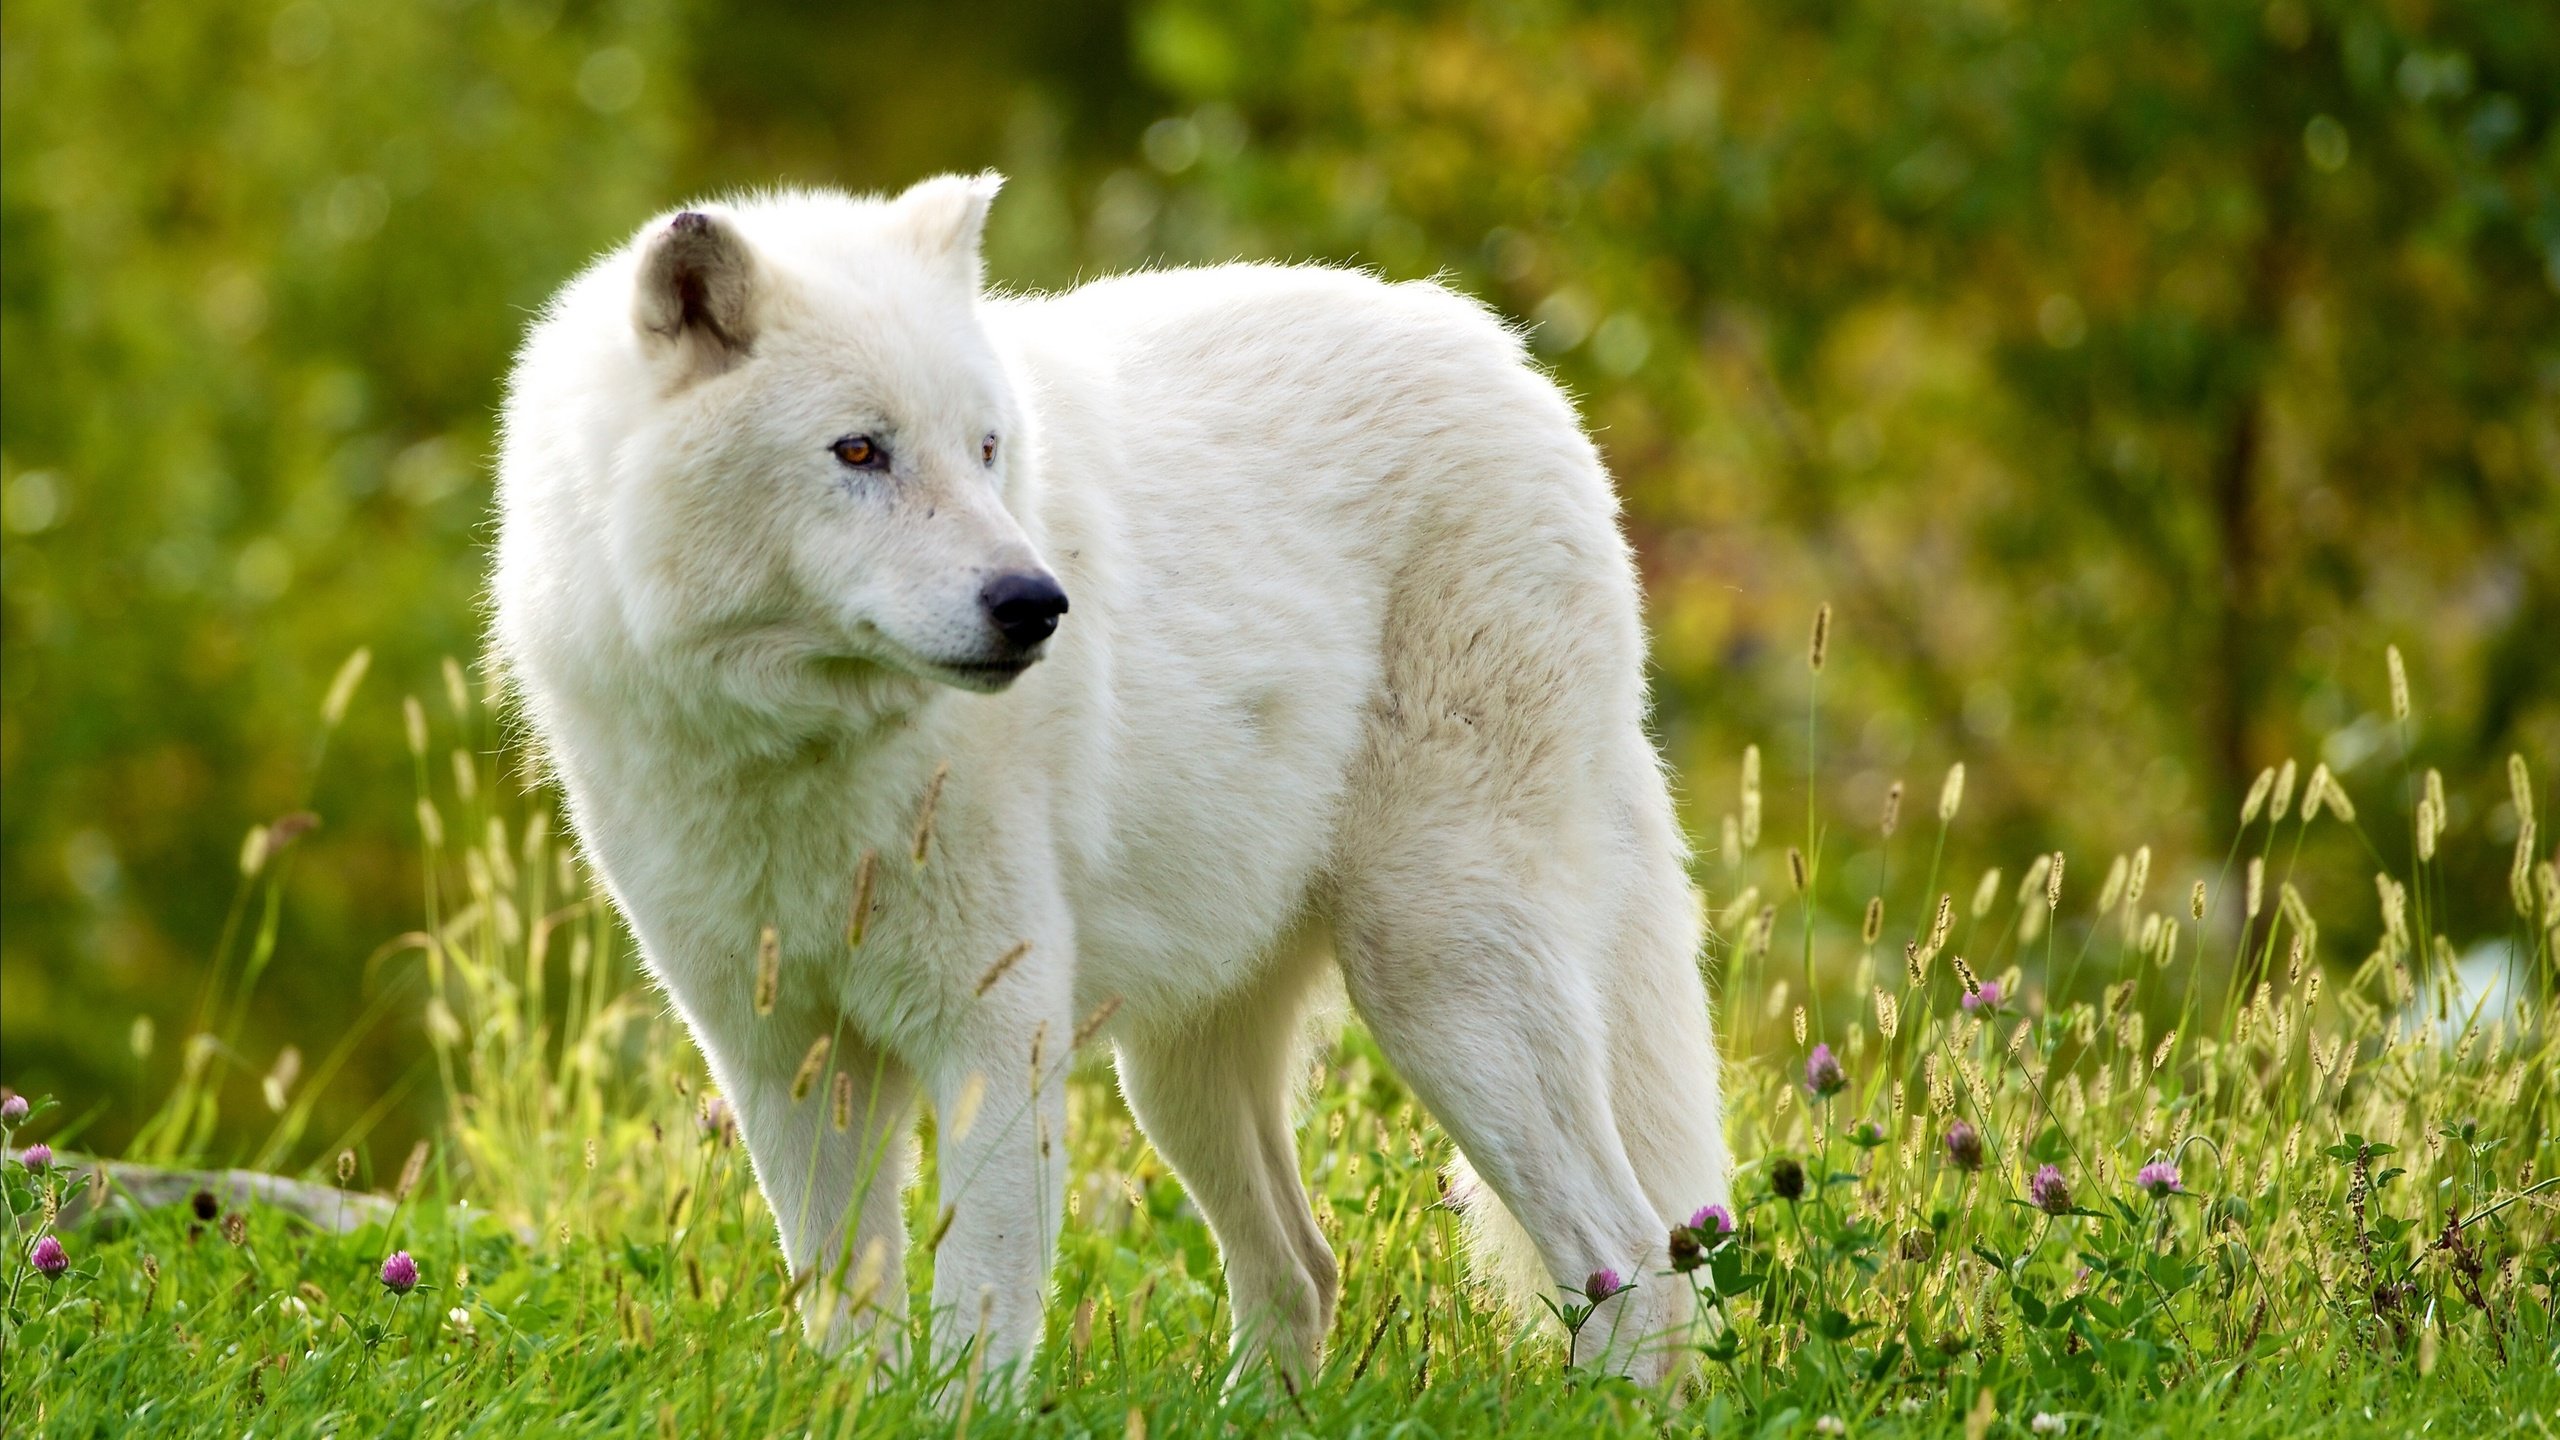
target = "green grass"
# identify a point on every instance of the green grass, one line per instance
(2364, 1241)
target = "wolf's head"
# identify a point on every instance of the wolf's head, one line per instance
(812, 460)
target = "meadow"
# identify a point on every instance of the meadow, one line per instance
(2132, 377)
(1979, 1191)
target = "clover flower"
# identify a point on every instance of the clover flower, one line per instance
(2159, 1180)
(13, 1110)
(1984, 997)
(399, 1273)
(1712, 1219)
(1964, 1146)
(2050, 1192)
(1786, 1179)
(48, 1258)
(716, 1120)
(37, 1157)
(1822, 1073)
(1602, 1284)
(1686, 1253)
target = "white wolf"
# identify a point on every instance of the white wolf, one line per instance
(1353, 679)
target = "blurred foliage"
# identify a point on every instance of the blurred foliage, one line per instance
(2127, 376)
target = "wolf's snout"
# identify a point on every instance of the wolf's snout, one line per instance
(1024, 607)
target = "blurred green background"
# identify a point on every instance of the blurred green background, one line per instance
(2127, 374)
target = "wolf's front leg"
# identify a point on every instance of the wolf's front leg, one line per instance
(1000, 1102)
(832, 1162)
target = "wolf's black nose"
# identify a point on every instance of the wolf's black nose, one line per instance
(1024, 606)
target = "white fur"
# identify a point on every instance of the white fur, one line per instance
(1353, 675)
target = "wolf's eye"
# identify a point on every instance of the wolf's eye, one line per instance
(861, 452)
(987, 450)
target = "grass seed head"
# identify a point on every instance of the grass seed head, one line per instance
(1892, 807)
(412, 1171)
(812, 1065)
(858, 911)
(2399, 683)
(1822, 636)
(1964, 973)
(1951, 794)
(2520, 874)
(2257, 800)
(1004, 963)
(2520, 788)
(964, 1111)
(1873, 926)
(2031, 884)
(1092, 1023)
(2113, 890)
(932, 801)
(768, 969)
(342, 686)
(2281, 803)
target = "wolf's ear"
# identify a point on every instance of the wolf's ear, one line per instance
(697, 291)
(946, 217)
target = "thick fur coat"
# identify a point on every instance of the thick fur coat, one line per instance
(1350, 679)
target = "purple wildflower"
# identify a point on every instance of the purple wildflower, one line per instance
(48, 1257)
(1964, 1146)
(1604, 1282)
(399, 1273)
(1987, 997)
(38, 1157)
(2159, 1179)
(1713, 1219)
(715, 1119)
(13, 1110)
(1822, 1072)
(2050, 1192)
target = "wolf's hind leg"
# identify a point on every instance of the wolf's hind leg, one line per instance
(1474, 985)
(1213, 1096)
